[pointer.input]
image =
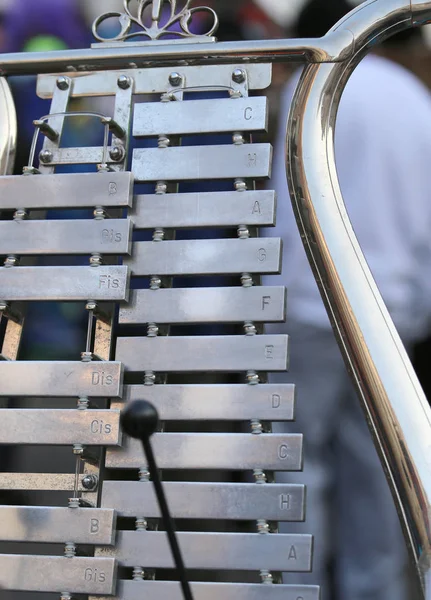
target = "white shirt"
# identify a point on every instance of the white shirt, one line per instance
(383, 156)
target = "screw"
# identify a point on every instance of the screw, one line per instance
(63, 83)
(267, 578)
(138, 574)
(86, 357)
(20, 214)
(161, 187)
(78, 449)
(238, 138)
(149, 378)
(240, 185)
(238, 76)
(144, 475)
(152, 330)
(158, 235)
(70, 549)
(46, 156)
(256, 427)
(155, 283)
(141, 524)
(259, 476)
(3, 306)
(124, 82)
(246, 280)
(117, 153)
(89, 482)
(252, 378)
(243, 232)
(96, 260)
(83, 403)
(11, 261)
(99, 213)
(262, 526)
(175, 79)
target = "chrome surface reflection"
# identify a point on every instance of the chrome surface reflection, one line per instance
(396, 408)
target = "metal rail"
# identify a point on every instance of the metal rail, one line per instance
(396, 408)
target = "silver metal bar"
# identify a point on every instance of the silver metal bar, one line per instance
(60, 427)
(69, 190)
(53, 482)
(171, 590)
(227, 451)
(266, 402)
(337, 47)
(200, 116)
(81, 155)
(156, 81)
(206, 305)
(56, 574)
(57, 525)
(396, 407)
(109, 283)
(61, 379)
(184, 163)
(206, 257)
(201, 353)
(85, 236)
(232, 551)
(237, 501)
(204, 209)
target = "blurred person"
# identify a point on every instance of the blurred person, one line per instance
(383, 153)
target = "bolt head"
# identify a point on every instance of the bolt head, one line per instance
(117, 153)
(63, 83)
(89, 482)
(238, 76)
(175, 79)
(46, 156)
(124, 82)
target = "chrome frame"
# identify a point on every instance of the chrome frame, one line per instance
(396, 408)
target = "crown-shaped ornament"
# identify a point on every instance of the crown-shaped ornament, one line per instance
(137, 25)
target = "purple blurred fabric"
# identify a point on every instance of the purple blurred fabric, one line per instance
(26, 19)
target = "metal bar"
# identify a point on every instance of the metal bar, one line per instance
(266, 402)
(201, 353)
(155, 590)
(227, 451)
(336, 47)
(80, 155)
(206, 305)
(52, 482)
(237, 501)
(230, 551)
(57, 525)
(192, 163)
(85, 236)
(60, 427)
(206, 257)
(156, 81)
(204, 209)
(200, 116)
(61, 379)
(74, 284)
(27, 573)
(68, 190)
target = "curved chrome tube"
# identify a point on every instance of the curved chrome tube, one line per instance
(396, 408)
(8, 129)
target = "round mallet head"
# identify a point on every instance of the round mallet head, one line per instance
(139, 419)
